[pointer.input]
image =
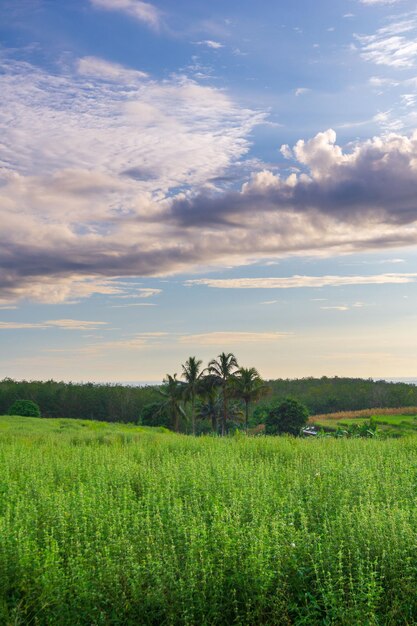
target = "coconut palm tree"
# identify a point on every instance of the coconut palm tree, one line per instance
(210, 406)
(248, 385)
(223, 369)
(173, 393)
(192, 373)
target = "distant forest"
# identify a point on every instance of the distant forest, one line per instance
(121, 403)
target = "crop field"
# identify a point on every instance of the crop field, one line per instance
(390, 422)
(111, 524)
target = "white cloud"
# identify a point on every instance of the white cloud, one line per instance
(19, 325)
(300, 282)
(388, 121)
(64, 324)
(69, 324)
(141, 11)
(379, 82)
(146, 292)
(335, 308)
(409, 99)
(99, 68)
(300, 91)
(55, 289)
(215, 45)
(393, 45)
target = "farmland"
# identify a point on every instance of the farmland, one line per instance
(120, 524)
(389, 422)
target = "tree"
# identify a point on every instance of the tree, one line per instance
(26, 408)
(154, 414)
(173, 393)
(210, 406)
(248, 385)
(223, 369)
(191, 372)
(287, 417)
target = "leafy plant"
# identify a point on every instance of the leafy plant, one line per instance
(287, 417)
(26, 408)
(366, 430)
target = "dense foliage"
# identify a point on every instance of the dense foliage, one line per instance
(27, 408)
(112, 524)
(327, 395)
(289, 416)
(116, 403)
(111, 402)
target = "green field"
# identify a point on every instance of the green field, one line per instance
(111, 524)
(390, 425)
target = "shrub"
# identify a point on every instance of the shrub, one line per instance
(287, 417)
(26, 408)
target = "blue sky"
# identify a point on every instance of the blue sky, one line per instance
(188, 178)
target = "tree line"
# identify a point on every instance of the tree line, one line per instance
(125, 403)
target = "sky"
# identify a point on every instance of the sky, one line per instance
(186, 178)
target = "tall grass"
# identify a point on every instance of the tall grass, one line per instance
(120, 525)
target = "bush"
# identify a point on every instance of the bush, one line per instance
(287, 417)
(26, 408)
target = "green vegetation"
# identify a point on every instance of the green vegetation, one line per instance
(289, 416)
(396, 425)
(222, 370)
(122, 403)
(118, 524)
(26, 408)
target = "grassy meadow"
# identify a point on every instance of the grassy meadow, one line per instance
(389, 422)
(120, 524)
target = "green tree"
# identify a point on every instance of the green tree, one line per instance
(248, 385)
(192, 374)
(26, 408)
(154, 414)
(287, 417)
(173, 392)
(210, 406)
(223, 369)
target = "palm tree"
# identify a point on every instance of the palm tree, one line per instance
(248, 385)
(210, 406)
(191, 372)
(173, 394)
(223, 368)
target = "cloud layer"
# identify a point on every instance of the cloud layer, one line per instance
(299, 282)
(105, 173)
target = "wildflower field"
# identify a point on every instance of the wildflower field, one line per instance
(112, 524)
